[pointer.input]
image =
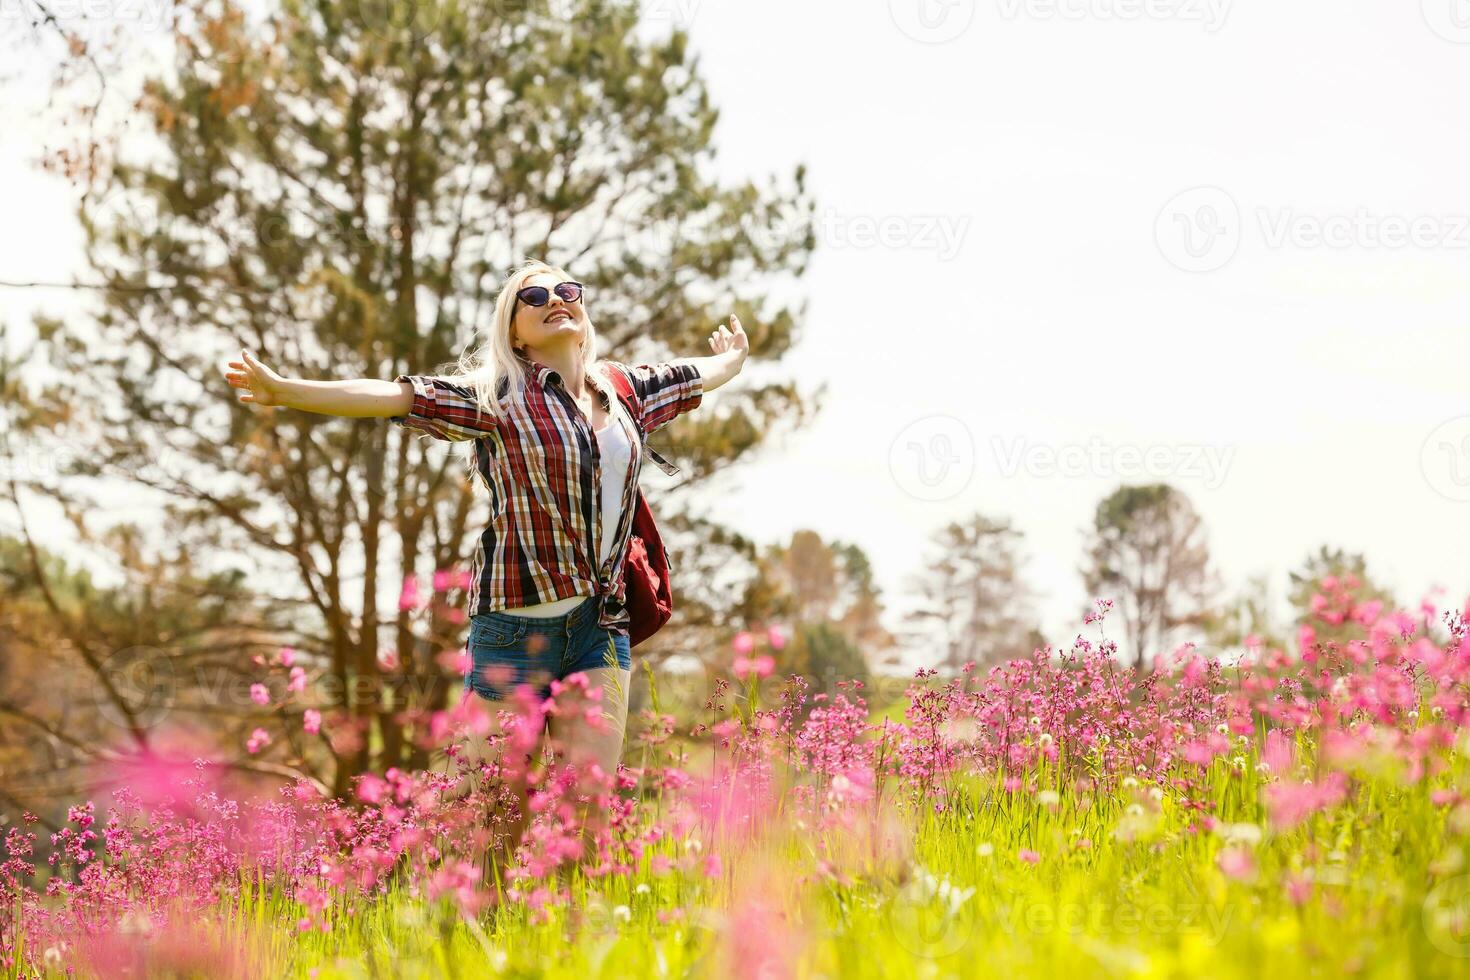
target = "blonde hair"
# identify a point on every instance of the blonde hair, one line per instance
(483, 368)
(494, 363)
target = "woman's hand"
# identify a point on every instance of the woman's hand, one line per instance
(730, 338)
(731, 347)
(262, 386)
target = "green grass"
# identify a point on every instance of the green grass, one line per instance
(1126, 884)
(1383, 874)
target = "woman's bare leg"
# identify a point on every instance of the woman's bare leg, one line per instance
(491, 748)
(582, 740)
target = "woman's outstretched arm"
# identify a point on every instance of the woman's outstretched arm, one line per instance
(353, 398)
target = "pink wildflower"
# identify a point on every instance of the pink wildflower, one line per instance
(371, 788)
(455, 661)
(1289, 803)
(258, 740)
(1237, 863)
(409, 598)
(761, 666)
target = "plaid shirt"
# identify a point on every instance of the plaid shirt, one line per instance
(542, 466)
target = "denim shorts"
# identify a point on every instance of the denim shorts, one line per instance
(507, 650)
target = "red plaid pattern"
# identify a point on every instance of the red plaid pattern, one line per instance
(543, 469)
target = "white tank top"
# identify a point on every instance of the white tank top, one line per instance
(616, 450)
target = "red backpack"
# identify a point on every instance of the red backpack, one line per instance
(648, 597)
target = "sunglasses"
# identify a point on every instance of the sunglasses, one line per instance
(540, 295)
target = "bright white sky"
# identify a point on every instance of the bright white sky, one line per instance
(1021, 292)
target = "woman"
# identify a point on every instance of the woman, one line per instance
(560, 459)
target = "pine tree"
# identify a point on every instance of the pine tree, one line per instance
(342, 188)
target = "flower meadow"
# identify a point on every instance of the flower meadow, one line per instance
(1301, 812)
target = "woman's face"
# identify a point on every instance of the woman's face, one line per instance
(548, 327)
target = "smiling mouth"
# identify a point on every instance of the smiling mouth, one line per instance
(558, 316)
